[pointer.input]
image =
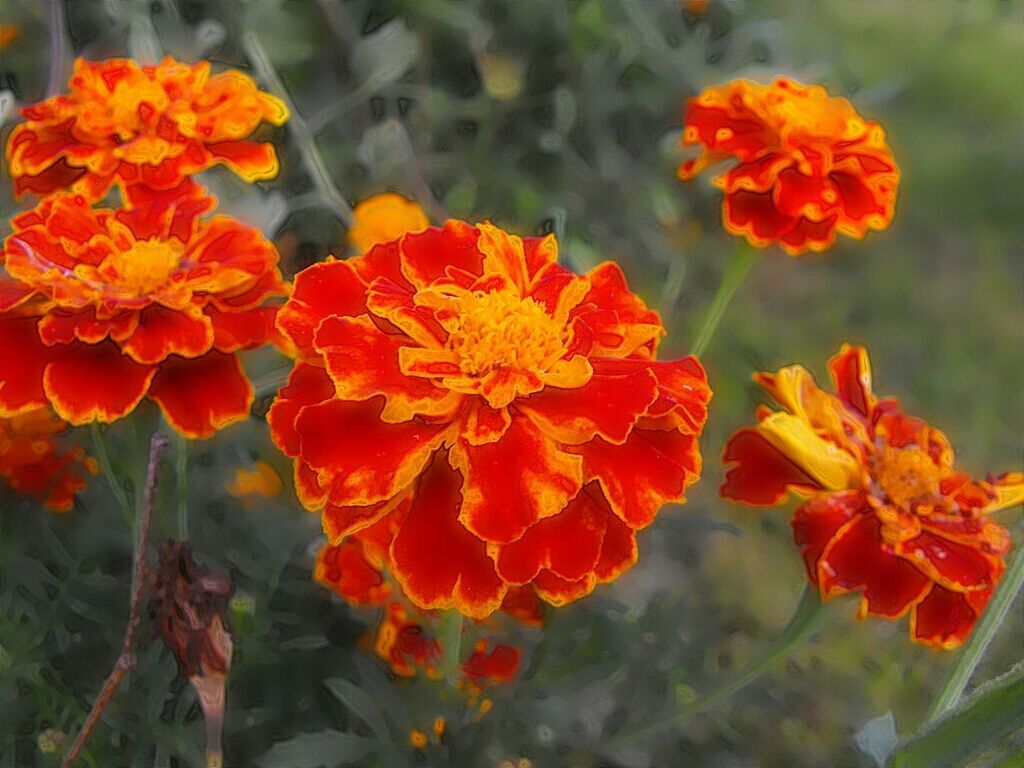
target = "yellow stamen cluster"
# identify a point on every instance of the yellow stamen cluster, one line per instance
(906, 475)
(143, 268)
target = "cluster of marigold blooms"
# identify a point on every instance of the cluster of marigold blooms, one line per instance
(481, 429)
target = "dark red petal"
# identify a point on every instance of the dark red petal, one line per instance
(439, 563)
(307, 385)
(757, 473)
(162, 332)
(816, 523)
(201, 396)
(95, 382)
(23, 358)
(428, 254)
(323, 290)
(944, 619)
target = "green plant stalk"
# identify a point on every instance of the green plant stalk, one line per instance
(99, 440)
(451, 645)
(809, 617)
(321, 177)
(980, 638)
(736, 271)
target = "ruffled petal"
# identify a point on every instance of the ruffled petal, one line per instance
(23, 358)
(513, 483)
(650, 469)
(851, 373)
(198, 397)
(568, 544)
(954, 565)
(944, 619)
(855, 560)
(428, 255)
(618, 550)
(95, 383)
(438, 563)
(233, 331)
(364, 363)
(161, 332)
(339, 522)
(557, 591)
(307, 385)
(250, 160)
(607, 406)
(330, 288)
(817, 522)
(359, 459)
(621, 323)
(57, 327)
(345, 570)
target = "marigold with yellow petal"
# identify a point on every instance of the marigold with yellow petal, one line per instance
(385, 217)
(510, 413)
(129, 124)
(886, 514)
(100, 308)
(808, 166)
(36, 462)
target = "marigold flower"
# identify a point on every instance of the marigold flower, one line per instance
(809, 167)
(100, 308)
(886, 513)
(124, 123)
(508, 415)
(36, 463)
(385, 217)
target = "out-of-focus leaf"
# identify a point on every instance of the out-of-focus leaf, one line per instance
(995, 711)
(359, 701)
(385, 55)
(877, 739)
(317, 750)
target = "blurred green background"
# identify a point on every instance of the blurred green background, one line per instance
(565, 117)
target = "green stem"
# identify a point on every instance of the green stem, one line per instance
(314, 162)
(742, 260)
(181, 470)
(451, 645)
(99, 440)
(808, 618)
(980, 638)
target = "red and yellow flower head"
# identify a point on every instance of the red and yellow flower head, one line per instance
(808, 166)
(507, 414)
(100, 308)
(35, 462)
(886, 514)
(128, 124)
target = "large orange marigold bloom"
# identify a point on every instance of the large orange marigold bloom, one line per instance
(36, 462)
(809, 167)
(509, 413)
(886, 514)
(124, 123)
(100, 308)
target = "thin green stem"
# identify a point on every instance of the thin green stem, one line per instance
(451, 645)
(181, 472)
(314, 162)
(735, 273)
(99, 440)
(809, 617)
(980, 639)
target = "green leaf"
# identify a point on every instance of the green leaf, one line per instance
(992, 713)
(316, 750)
(359, 701)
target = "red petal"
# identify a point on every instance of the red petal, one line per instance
(851, 373)
(521, 603)
(95, 382)
(757, 473)
(855, 560)
(165, 213)
(60, 328)
(754, 216)
(944, 619)
(608, 406)
(514, 482)
(250, 160)
(618, 551)
(620, 321)
(438, 562)
(428, 254)
(957, 566)
(816, 523)
(307, 385)
(162, 332)
(23, 358)
(650, 469)
(233, 331)
(361, 460)
(201, 396)
(322, 290)
(558, 591)
(498, 666)
(340, 522)
(363, 362)
(569, 544)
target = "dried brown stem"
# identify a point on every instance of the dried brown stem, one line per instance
(157, 446)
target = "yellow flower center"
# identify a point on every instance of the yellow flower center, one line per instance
(499, 329)
(144, 268)
(906, 475)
